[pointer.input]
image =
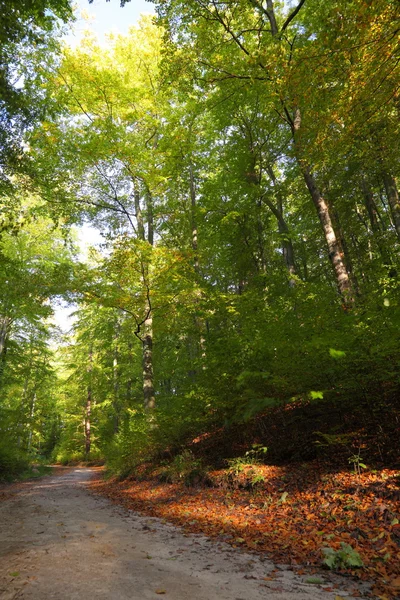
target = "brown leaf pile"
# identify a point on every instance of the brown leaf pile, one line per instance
(290, 514)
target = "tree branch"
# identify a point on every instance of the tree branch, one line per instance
(292, 16)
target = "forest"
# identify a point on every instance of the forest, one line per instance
(240, 159)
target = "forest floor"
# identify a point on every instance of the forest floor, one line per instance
(289, 514)
(60, 541)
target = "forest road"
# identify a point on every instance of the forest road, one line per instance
(58, 541)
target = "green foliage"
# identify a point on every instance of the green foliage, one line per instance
(344, 558)
(13, 461)
(357, 463)
(186, 468)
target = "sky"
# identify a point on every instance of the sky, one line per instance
(101, 18)
(106, 17)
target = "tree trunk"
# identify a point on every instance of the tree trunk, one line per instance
(287, 246)
(334, 251)
(193, 219)
(88, 405)
(5, 324)
(117, 408)
(393, 197)
(88, 410)
(138, 211)
(335, 256)
(31, 415)
(198, 322)
(148, 376)
(150, 218)
(371, 207)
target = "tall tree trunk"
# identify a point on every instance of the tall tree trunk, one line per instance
(287, 245)
(342, 275)
(150, 217)
(393, 197)
(31, 415)
(116, 403)
(377, 225)
(88, 405)
(335, 255)
(371, 207)
(138, 211)
(147, 332)
(193, 219)
(5, 324)
(130, 381)
(148, 375)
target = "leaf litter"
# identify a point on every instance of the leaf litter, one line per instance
(292, 515)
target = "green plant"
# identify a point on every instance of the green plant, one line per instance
(184, 467)
(357, 463)
(315, 580)
(344, 558)
(251, 457)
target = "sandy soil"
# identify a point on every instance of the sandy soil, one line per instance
(57, 541)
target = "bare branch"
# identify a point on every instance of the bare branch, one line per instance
(292, 16)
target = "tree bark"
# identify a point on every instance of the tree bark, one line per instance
(116, 403)
(336, 258)
(193, 219)
(5, 325)
(370, 206)
(138, 211)
(88, 405)
(148, 375)
(150, 218)
(335, 255)
(287, 245)
(393, 197)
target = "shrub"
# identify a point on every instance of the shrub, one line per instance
(12, 461)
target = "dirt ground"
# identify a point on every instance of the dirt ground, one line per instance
(58, 541)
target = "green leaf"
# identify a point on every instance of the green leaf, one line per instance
(337, 354)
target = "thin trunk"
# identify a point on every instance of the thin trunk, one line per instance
(148, 376)
(193, 208)
(287, 246)
(260, 237)
(130, 382)
(147, 337)
(4, 330)
(138, 211)
(193, 219)
(5, 324)
(344, 249)
(31, 415)
(88, 405)
(371, 207)
(117, 408)
(376, 225)
(150, 218)
(393, 197)
(88, 411)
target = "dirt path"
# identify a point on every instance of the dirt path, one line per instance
(57, 541)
